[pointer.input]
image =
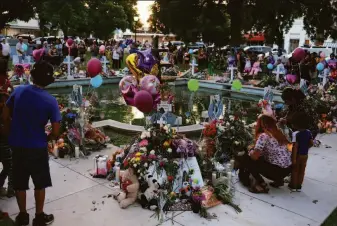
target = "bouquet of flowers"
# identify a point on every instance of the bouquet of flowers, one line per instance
(210, 130)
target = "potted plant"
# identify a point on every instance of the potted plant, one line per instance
(197, 198)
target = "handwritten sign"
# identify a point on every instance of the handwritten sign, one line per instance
(165, 105)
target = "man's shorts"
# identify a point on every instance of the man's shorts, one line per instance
(30, 163)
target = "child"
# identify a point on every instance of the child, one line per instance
(5, 154)
(248, 66)
(302, 141)
(256, 68)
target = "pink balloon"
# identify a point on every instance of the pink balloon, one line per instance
(291, 78)
(322, 55)
(150, 83)
(144, 101)
(70, 42)
(102, 48)
(94, 67)
(37, 54)
(126, 82)
(298, 54)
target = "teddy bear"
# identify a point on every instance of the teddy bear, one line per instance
(149, 191)
(130, 187)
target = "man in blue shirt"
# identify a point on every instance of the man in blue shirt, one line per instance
(29, 109)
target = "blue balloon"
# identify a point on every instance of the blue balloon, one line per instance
(320, 67)
(190, 51)
(24, 47)
(96, 81)
(270, 66)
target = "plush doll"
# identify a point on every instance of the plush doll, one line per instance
(130, 186)
(149, 193)
(256, 68)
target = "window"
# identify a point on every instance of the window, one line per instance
(293, 44)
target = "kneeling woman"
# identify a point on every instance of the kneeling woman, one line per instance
(269, 158)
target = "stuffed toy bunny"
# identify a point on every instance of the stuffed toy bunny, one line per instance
(130, 186)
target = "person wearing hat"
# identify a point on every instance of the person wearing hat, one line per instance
(28, 110)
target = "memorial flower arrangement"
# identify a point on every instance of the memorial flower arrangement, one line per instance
(232, 138)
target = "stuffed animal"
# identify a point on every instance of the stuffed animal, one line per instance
(149, 193)
(130, 186)
(185, 190)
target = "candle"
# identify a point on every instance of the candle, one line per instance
(328, 130)
(77, 152)
(213, 178)
(117, 174)
(334, 129)
(229, 182)
(232, 164)
(229, 167)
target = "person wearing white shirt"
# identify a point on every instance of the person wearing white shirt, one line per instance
(5, 49)
(19, 50)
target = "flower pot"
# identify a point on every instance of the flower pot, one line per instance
(196, 206)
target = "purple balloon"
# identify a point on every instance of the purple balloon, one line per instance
(150, 83)
(291, 79)
(144, 101)
(298, 54)
(146, 60)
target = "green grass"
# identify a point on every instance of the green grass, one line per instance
(331, 220)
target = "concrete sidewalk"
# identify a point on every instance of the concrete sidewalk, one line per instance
(79, 199)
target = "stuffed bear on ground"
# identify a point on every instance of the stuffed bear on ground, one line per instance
(149, 190)
(130, 186)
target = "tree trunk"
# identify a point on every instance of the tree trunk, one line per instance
(235, 8)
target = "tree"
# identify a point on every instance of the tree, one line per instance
(273, 18)
(320, 19)
(16, 10)
(105, 18)
(63, 14)
(191, 20)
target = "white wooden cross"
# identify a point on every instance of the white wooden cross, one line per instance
(69, 63)
(232, 68)
(104, 61)
(193, 64)
(161, 122)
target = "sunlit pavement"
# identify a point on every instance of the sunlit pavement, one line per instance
(78, 199)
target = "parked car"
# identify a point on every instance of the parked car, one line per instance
(49, 39)
(258, 49)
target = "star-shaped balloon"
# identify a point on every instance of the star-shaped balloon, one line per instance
(145, 60)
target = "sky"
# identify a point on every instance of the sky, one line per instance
(144, 11)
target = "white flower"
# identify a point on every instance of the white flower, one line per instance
(145, 164)
(231, 117)
(144, 149)
(135, 165)
(152, 152)
(176, 162)
(139, 178)
(165, 128)
(236, 142)
(169, 150)
(165, 160)
(227, 124)
(232, 127)
(148, 134)
(141, 174)
(138, 171)
(143, 136)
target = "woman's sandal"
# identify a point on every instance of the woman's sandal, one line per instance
(265, 186)
(276, 184)
(255, 190)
